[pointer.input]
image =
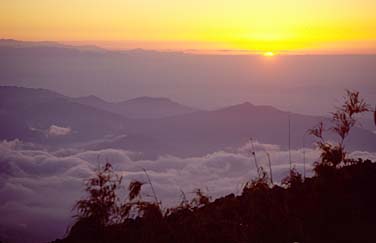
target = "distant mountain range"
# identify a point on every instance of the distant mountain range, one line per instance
(25, 113)
(153, 126)
(287, 82)
(29, 44)
(141, 107)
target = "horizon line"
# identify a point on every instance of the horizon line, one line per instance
(194, 51)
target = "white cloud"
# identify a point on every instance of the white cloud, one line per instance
(40, 187)
(55, 130)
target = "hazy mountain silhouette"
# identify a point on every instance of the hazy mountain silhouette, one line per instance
(141, 107)
(25, 112)
(11, 43)
(233, 126)
(204, 81)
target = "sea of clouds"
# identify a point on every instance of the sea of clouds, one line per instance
(38, 187)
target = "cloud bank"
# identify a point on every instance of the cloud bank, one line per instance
(38, 188)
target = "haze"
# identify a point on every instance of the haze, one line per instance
(203, 81)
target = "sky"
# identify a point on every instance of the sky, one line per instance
(290, 26)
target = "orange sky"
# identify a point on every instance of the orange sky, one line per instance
(301, 26)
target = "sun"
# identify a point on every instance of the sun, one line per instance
(268, 54)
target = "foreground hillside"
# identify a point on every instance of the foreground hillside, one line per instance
(336, 205)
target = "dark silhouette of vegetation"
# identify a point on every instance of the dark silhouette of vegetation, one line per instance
(100, 206)
(343, 119)
(337, 204)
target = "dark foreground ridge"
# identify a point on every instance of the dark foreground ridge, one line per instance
(335, 205)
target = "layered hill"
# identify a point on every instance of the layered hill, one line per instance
(140, 107)
(170, 128)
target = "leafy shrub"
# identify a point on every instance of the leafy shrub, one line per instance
(101, 203)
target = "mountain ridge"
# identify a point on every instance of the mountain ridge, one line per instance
(189, 134)
(139, 107)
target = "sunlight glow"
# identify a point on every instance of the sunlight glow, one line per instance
(269, 54)
(336, 26)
